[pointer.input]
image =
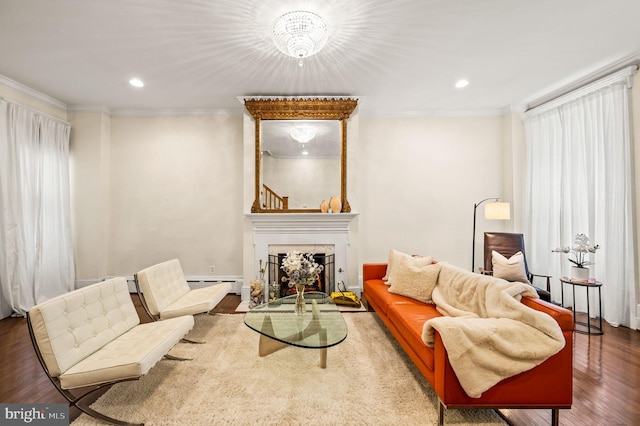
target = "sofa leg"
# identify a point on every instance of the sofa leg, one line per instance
(440, 413)
(555, 417)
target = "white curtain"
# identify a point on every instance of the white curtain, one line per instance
(36, 255)
(580, 180)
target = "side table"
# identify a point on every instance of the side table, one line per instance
(587, 324)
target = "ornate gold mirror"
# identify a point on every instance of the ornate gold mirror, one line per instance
(300, 153)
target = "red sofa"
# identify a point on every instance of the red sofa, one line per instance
(549, 385)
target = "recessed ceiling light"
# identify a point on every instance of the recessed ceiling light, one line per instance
(136, 82)
(462, 83)
(305, 152)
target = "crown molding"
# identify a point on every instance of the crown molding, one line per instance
(514, 109)
(175, 112)
(101, 109)
(624, 75)
(573, 84)
(435, 113)
(21, 88)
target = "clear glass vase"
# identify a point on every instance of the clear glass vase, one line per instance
(301, 307)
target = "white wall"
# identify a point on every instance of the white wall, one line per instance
(176, 191)
(419, 179)
(89, 154)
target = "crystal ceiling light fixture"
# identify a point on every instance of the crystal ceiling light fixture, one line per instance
(300, 34)
(303, 134)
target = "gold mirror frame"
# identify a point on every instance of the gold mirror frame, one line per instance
(300, 109)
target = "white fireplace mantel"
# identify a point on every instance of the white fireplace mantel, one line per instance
(302, 229)
(301, 222)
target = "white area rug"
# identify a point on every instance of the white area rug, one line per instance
(368, 381)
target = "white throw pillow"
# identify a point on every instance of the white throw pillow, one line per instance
(511, 269)
(396, 256)
(416, 282)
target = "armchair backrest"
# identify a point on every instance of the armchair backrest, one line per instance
(162, 284)
(68, 328)
(505, 243)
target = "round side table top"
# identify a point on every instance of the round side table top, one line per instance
(591, 282)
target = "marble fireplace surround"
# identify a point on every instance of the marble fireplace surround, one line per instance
(296, 230)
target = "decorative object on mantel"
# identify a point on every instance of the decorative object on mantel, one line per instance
(335, 204)
(300, 34)
(324, 206)
(581, 249)
(301, 271)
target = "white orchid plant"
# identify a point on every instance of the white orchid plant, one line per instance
(300, 268)
(581, 249)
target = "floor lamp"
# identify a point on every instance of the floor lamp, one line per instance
(495, 210)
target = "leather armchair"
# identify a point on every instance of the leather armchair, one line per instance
(508, 244)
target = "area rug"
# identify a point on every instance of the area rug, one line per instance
(368, 381)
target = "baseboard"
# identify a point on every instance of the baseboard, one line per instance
(193, 281)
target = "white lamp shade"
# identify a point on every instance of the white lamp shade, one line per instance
(499, 211)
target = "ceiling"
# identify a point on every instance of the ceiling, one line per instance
(398, 57)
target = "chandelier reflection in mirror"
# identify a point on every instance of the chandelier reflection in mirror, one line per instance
(303, 134)
(300, 34)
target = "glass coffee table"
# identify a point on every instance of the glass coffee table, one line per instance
(321, 327)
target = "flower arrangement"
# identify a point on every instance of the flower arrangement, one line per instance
(300, 268)
(581, 248)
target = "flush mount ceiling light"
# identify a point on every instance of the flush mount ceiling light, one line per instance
(462, 83)
(300, 34)
(303, 134)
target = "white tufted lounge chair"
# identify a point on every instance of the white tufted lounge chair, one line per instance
(92, 337)
(164, 292)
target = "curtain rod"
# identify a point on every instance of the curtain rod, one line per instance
(35, 111)
(624, 75)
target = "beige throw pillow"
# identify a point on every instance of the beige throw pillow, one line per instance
(416, 282)
(511, 269)
(396, 256)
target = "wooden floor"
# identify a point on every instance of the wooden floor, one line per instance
(606, 375)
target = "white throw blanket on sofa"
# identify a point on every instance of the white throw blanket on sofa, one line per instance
(488, 333)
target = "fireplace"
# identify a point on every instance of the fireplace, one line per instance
(274, 234)
(325, 282)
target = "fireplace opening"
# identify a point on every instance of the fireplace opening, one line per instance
(325, 282)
